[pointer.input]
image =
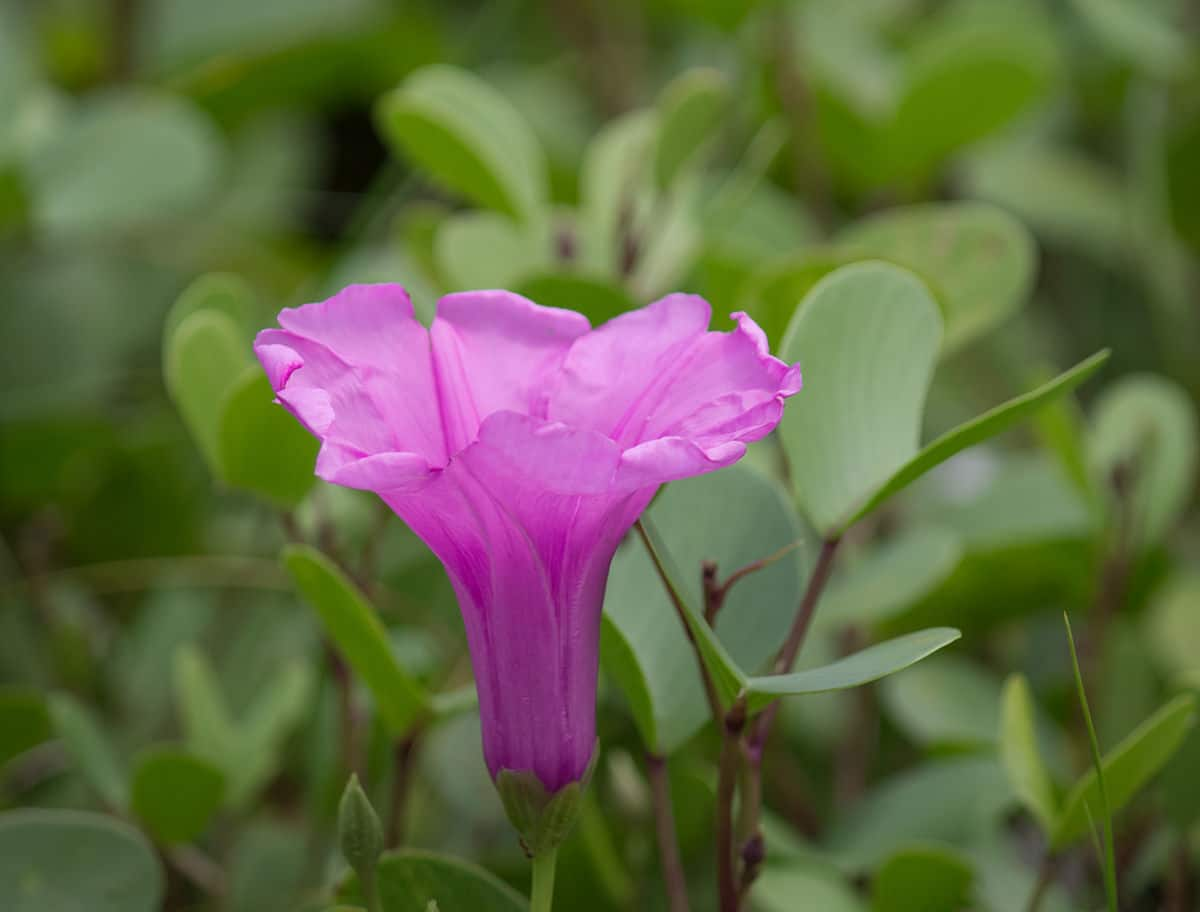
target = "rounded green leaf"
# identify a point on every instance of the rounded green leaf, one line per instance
(798, 885)
(1146, 425)
(772, 294)
(24, 721)
(867, 338)
(1138, 33)
(612, 182)
(922, 879)
(123, 160)
(1173, 620)
(221, 291)
(203, 360)
(411, 879)
(1127, 768)
(977, 260)
(733, 517)
(68, 861)
(262, 447)
(175, 793)
(468, 137)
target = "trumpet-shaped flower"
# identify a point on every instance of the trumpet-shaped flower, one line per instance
(521, 444)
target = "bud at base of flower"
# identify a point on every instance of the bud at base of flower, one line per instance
(542, 818)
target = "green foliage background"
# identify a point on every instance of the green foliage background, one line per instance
(197, 641)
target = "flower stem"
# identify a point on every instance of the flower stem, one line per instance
(542, 895)
(727, 774)
(668, 841)
(370, 888)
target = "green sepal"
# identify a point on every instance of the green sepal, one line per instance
(542, 818)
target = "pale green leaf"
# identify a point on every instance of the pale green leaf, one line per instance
(947, 701)
(690, 111)
(90, 749)
(410, 879)
(1027, 773)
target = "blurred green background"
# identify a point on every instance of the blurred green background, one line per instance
(1035, 162)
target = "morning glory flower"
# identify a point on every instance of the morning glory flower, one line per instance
(521, 445)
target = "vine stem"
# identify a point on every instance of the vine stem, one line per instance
(542, 895)
(668, 840)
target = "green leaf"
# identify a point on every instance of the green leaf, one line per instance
(175, 793)
(90, 749)
(262, 447)
(279, 706)
(925, 878)
(1019, 753)
(356, 630)
(468, 137)
(888, 578)
(948, 801)
(1127, 768)
(867, 339)
(209, 729)
(597, 299)
(947, 701)
(690, 111)
(963, 82)
(488, 250)
(802, 885)
(977, 260)
(863, 667)
(69, 861)
(1135, 32)
(220, 291)
(203, 360)
(733, 517)
(24, 721)
(410, 879)
(772, 294)
(124, 160)
(611, 182)
(1173, 622)
(1147, 424)
(978, 429)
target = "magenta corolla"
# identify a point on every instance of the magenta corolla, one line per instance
(521, 444)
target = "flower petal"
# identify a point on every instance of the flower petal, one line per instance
(494, 351)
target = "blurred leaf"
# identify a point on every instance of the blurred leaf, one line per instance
(468, 137)
(410, 879)
(734, 517)
(488, 250)
(1146, 424)
(773, 293)
(792, 886)
(867, 338)
(69, 861)
(262, 447)
(1173, 624)
(597, 299)
(1059, 194)
(277, 709)
(1134, 30)
(945, 701)
(208, 727)
(175, 793)
(90, 749)
(124, 159)
(24, 721)
(690, 109)
(922, 879)
(268, 867)
(202, 362)
(863, 667)
(1027, 773)
(888, 578)
(611, 182)
(964, 80)
(356, 630)
(980, 428)
(977, 260)
(220, 291)
(1127, 768)
(946, 802)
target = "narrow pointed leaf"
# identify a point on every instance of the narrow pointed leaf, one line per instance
(1019, 753)
(863, 667)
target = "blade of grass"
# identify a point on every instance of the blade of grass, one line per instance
(1106, 824)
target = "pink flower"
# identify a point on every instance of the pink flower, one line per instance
(521, 445)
